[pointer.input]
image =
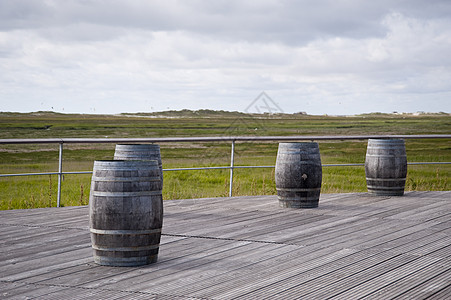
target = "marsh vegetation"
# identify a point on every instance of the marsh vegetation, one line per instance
(40, 191)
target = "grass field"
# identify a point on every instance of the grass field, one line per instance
(40, 191)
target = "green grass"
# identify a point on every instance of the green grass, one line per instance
(40, 191)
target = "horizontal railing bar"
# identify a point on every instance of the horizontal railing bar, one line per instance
(342, 165)
(348, 165)
(199, 168)
(215, 168)
(28, 174)
(218, 139)
(429, 163)
(251, 167)
(47, 173)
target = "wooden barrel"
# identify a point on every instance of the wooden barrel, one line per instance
(298, 175)
(126, 212)
(386, 167)
(139, 152)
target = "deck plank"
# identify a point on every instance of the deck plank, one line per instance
(352, 246)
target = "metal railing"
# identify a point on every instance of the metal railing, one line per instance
(232, 139)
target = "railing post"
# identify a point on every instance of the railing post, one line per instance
(60, 175)
(231, 168)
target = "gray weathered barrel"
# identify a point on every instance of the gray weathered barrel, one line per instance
(386, 167)
(139, 152)
(298, 175)
(126, 212)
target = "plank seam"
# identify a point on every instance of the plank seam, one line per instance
(228, 239)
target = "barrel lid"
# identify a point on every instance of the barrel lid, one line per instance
(138, 146)
(298, 144)
(126, 163)
(387, 141)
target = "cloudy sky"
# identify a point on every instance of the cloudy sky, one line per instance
(321, 57)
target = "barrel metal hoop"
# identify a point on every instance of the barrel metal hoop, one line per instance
(122, 179)
(298, 190)
(128, 232)
(386, 179)
(126, 194)
(124, 261)
(299, 199)
(377, 188)
(126, 168)
(386, 145)
(310, 155)
(137, 248)
(300, 162)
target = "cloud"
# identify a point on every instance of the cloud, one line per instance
(321, 57)
(291, 22)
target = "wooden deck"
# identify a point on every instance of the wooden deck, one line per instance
(353, 246)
